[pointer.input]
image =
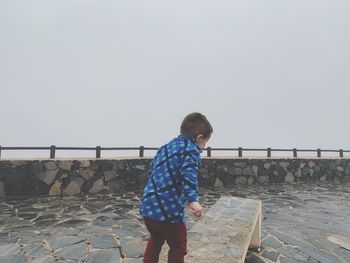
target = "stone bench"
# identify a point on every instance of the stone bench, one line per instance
(229, 227)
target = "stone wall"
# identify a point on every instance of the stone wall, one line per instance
(73, 177)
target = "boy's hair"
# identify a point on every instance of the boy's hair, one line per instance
(195, 124)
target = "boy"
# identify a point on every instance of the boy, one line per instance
(172, 182)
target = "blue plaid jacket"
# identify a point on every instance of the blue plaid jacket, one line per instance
(172, 181)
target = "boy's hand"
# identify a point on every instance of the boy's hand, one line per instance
(197, 210)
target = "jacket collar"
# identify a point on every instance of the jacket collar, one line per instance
(190, 140)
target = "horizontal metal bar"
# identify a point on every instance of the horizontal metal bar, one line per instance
(119, 148)
(255, 150)
(223, 149)
(25, 148)
(281, 150)
(126, 148)
(152, 148)
(76, 148)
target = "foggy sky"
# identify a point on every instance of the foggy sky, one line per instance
(125, 73)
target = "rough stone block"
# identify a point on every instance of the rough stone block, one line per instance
(47, 176)
(55, 189)
(340, 169)
(110, 175)
(248, 171)
(98, 186)
(51, 165)
(85, 163)
(267, 166)
(2, 190)
(87, 173)
(255, 170)
(263, 179)
(64, 165)
(235, 171)
(241, 164)
(323, 178)
(19, 183)
(222, 168)
(298, 173)
(289, 178)
(284, 165)
(311, 164)
(74, 187)
(218, 183)
(240, 180)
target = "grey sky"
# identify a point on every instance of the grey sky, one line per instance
(125, 73)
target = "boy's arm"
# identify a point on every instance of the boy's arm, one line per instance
(189, 176)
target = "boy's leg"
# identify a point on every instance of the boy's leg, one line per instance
(153, 249)
(155, 242)
(176, 237)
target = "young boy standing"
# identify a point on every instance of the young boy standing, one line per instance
(172, 182)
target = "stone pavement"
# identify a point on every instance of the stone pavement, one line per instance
(297, 222)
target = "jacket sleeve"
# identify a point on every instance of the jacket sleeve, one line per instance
(189, 175)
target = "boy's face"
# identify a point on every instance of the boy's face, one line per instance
(201, 142)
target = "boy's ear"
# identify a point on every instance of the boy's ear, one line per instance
(199, 137)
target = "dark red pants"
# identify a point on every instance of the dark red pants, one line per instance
(174, 234)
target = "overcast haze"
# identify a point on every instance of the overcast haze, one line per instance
(125, 73)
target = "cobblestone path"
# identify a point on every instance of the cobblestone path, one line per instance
(297, 223)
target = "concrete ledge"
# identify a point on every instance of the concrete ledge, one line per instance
(231, 226)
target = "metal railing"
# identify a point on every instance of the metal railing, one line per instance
(141, 149)
(269, 151)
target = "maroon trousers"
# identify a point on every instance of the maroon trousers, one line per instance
(174, 234)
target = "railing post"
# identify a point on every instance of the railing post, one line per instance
(341, 153)
(52, 151)
(98, 152)
(268, 152)
(142, 151)
(240, 152)
(208, 151)
(0, 151)
(318, 153)
(295, 153)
